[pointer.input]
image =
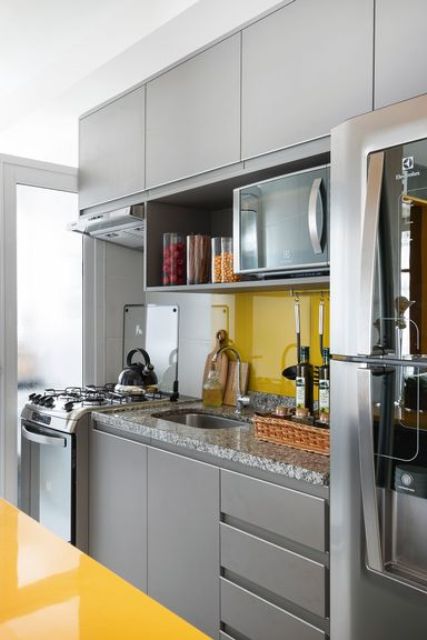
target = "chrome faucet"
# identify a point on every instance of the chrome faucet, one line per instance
(241, 401)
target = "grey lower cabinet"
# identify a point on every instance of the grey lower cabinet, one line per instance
(118, 505)
(193, 115)
(400, 50)
(183, 537)
(236, 556)
(274, 562)
(305, 68)
(112, 150)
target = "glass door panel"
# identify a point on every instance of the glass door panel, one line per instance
(400, 300)
(398, 405)
(49, 291)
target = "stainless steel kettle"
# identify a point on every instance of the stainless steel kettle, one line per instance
(138, 375)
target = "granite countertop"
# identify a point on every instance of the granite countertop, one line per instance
(237, 445)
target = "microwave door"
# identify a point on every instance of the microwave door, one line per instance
(281, 224)
(295, 221)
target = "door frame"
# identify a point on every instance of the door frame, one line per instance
(16, 171)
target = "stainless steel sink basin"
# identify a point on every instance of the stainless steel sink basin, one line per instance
(200, 420)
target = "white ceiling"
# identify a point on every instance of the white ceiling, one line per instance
(46, 46)
(59, 58)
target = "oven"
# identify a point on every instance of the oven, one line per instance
(54, 476)
(48, 476)
(53, 486)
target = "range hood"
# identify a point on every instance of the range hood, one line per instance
(122, 226)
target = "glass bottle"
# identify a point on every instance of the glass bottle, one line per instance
(324, 387)
(304, 381)
(212, 389)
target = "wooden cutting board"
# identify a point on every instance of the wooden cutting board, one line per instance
(222, 360)
(230, 395)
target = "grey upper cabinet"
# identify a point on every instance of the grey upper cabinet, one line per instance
(400, 50)
(111, 150)
(183, 537)
(193, 115)
(305, 69)
(118, 505)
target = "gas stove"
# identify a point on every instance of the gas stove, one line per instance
(61, 409)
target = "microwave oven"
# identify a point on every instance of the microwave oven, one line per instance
(280, 225)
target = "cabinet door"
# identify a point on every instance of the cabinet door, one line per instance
(400, 50)
(305, 69)
(118, 505)
(183, 538)
(193, 115)
(111, 153)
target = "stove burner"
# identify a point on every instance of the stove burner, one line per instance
(90, 395)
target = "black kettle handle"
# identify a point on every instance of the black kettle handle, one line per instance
(144, 354)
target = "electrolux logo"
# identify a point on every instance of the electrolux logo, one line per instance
(407, 163)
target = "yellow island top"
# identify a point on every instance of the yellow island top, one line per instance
(50, 590)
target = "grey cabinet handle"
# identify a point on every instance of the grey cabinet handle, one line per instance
(369, 243)
(40, 438)
(314, 229)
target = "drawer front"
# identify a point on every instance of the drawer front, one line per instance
(257, 619)
(292, 514)
(283, 572)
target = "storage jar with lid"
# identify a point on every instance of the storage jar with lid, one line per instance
(198, 259)
(173, 258)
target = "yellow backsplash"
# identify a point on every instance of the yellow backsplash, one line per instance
(262, 327)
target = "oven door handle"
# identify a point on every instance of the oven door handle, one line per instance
(40, 438)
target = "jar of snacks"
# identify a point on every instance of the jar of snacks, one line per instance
(227, 261)
(173, 258)
(198, 259)
(216, 265)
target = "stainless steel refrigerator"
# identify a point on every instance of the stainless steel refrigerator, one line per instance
(379, 375)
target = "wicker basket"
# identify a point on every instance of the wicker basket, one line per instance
(291, 433)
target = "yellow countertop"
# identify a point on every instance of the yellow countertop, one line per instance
(50, 590)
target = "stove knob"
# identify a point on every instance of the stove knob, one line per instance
(49, 403)
(37, 398)
(32, 396)
(68, 406)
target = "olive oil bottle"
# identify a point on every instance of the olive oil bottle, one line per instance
(304, 381)
(212, 389)
(324, 386)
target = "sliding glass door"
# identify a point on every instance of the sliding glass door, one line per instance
(40, 293)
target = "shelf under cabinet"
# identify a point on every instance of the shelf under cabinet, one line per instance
(311, 282)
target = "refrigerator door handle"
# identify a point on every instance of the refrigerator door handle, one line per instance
(314, 229)
(367, 472)
(368, 250)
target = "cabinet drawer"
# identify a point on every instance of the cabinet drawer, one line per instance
(283, 572)
(257, 619)
(291, 514)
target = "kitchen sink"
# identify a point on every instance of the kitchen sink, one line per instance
(200, 420)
